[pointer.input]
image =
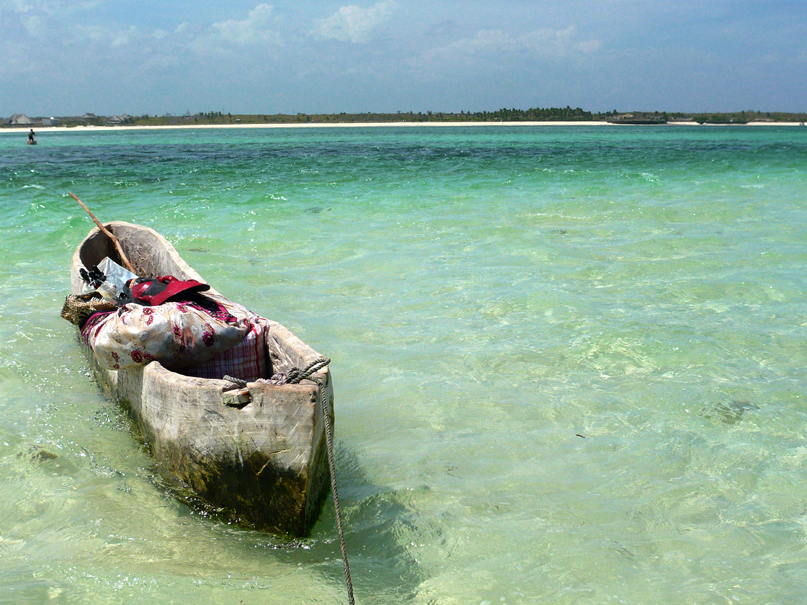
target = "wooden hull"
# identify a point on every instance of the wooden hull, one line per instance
(263, 464)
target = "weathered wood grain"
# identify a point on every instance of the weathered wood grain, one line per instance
(262, 462)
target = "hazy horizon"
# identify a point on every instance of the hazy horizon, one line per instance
(71, 57)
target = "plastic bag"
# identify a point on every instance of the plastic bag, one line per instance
(116, 278)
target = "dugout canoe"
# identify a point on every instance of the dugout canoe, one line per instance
(259, 458)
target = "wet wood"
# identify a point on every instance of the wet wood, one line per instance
(257, 454)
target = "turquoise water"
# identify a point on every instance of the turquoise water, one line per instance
(569, 363)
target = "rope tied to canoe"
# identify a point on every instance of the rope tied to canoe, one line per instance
(295, 376)
(241, 384)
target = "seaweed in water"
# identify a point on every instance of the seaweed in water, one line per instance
(729, 413)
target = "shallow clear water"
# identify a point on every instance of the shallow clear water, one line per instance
(569, 362)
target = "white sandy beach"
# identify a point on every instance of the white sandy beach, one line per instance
(24, 129)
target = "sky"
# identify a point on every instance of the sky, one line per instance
(109, 57)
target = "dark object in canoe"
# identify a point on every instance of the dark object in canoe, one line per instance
(258, 456)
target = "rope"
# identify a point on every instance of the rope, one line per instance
(236, 381)
(295, 376)
(323, 400)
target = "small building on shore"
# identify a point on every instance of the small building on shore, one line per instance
(119, 120)
(19, 119)
(640, 119)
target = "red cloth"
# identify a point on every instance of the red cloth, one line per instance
(158, 291)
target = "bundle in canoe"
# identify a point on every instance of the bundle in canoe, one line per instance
(257, 453)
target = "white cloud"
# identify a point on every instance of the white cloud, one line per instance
(126, 42)
(91, 33)
(49, 7)
(355, 24)
(588, 46)
(35, 26)
(254, 29)
(16, 61)
(19, 6)
(492, 47)
(122, 38)
(558, 43)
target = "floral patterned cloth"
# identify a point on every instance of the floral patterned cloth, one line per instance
(177, 334)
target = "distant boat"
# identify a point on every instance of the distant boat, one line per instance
(637, 121)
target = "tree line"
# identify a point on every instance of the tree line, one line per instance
(534, 114)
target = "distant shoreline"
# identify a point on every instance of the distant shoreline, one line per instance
(90, 128)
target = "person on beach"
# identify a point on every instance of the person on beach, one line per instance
(31, 136)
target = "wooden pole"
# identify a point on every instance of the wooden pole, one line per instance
(104, 230)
